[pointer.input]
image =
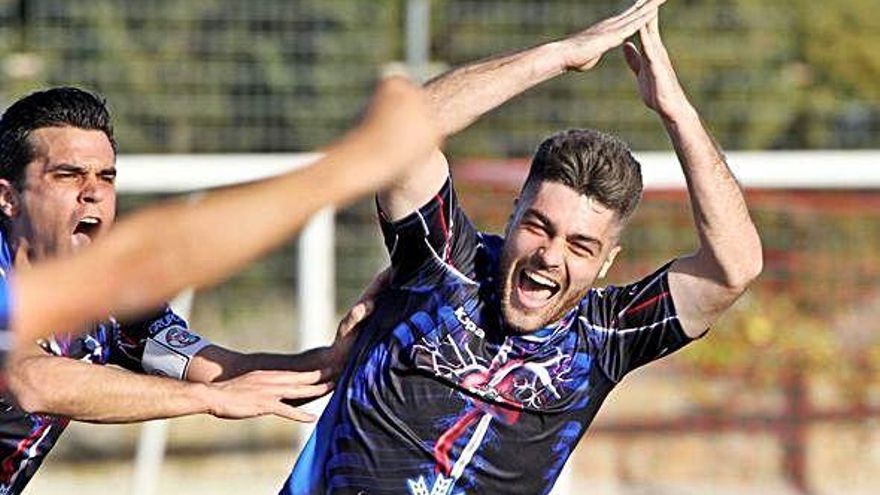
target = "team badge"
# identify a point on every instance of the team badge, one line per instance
(179, 338)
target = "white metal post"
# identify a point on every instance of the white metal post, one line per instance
(418, 37)
(154, 434)
(316, 290)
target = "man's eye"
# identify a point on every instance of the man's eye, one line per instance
(583, 251)
(534, 226)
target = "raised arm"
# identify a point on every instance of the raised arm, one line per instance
(463, 95)
(155, 253)
(729, 257)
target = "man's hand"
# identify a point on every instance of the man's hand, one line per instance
(345, 332)
(658, 83)
(400, 120)
(582, 51)
(261, 393)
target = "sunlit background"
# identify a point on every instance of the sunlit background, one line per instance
(782, 398)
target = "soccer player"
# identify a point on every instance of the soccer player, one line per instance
(57, 198)
(487, 358)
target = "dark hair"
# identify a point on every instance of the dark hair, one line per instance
(56, 107)
(592, 163)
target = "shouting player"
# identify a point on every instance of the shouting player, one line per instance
(57, 197)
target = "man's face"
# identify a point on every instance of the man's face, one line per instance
(558, 243)
(68, 198)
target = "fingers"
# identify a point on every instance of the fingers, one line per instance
(306, 391)
(638, 14)
(652, 44)
(283, 378)
(289, 412)
(641, 5)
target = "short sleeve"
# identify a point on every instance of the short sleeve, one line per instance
(432, 241)
(161, 344)
(632, 325)
(5, 322)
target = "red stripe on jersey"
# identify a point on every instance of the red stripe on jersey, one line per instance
(12, 463)
(647, 303)
(445, 227)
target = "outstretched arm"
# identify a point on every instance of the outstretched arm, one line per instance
(157, 252)
(47, 384)
(463, 95)
(228, 384)
(215, 363)
(729, 257)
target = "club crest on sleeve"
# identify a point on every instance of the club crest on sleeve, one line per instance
(179, 337)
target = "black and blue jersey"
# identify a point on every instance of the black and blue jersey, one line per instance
(26, 438)
(439, 397)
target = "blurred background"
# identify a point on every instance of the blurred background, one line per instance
(781, 398)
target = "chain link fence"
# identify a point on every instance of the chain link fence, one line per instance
(279, 75)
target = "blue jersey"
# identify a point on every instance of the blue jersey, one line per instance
(439, 397)
(26, 438)
(5, 322)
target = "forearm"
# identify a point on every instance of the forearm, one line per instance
(729, 241)
(100, 394)
(459, 98)
(156, 253)
(215, 363)
(463, 95)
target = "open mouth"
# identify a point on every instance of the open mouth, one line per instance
(534, 289)
(86, 230)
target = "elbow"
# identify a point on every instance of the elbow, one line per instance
(746, 270)
(25, 388)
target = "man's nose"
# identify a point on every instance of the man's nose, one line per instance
(92, 190)
(552, 253)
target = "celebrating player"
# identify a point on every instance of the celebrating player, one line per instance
(487, 358)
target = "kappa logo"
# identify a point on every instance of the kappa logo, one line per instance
(180, 338)
(468, 324)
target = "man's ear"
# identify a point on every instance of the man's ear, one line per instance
(606, 265)
(10, 199)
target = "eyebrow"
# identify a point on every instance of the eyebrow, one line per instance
(65, 167)
(577, 238)
(73, 167)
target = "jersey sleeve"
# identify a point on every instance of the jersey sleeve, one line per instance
(5, 324)
(161, 344)
(634, 324)
(432, 242)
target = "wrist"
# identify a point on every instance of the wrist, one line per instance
(681, 113)
(202, 396)
(551, 59)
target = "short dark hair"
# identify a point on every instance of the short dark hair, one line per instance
(593, 163)
(56, 107)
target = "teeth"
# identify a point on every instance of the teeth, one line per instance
(541, 280)
(90, 220)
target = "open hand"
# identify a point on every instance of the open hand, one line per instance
(582, 51)
(657, 81)
(261, 393)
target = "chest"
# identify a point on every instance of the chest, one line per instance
(452, 338)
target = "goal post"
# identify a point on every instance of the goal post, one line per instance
(148, 174)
